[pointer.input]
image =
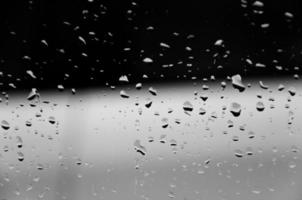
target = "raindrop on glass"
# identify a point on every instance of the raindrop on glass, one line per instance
(237, 83)
(5, 125)
(235, 109)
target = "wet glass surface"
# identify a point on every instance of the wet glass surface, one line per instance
(143, 100)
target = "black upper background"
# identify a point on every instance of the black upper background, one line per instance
(25, 23)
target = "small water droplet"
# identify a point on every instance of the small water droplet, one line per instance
(139, 148)
(148, 103)
(258, 4)
(281, 87)
(249, 151)
(235, 109)
(218, 42)
(294, 149)
(20, 156)
(230, 123)
(123, 94)
(235, 138)
(33, 94)
(292, 91)
(187, 106)
(40, 166)
(28, 123)
(202, 111)
(173, 142)
(237, 83)
(139, 86)
(51, 119)
(60, 88)
(153, 91)
(164, 45)
(292, 165)
(260, 106)
(123, 78)
(19, 141)
(263, 86)
(251, 134)
(147, 60)
(31, 74)
(165, 123)
(288, 14)
(162, 138)
(5, 125)
(238, 153)
(5, 148)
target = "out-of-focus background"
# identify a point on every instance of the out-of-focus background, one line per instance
(187, 100)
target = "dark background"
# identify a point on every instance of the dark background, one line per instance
(124, 24)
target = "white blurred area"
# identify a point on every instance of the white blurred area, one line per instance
(89, 152)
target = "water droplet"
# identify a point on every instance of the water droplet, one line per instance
(123, 78)
(153, 91)
(187, 106)
(218, 42)
(204, 97)
(258, 4)
(33, 94)
(171, 195)
(275, 149)
(150, 139)
(40, 166)
(288, 14)
(238, 153)
(5, 148)
(251, 134)
(235, 109)
(162, 138)
(237, 83)
(148, 103)
(235, 138)
(19, 142)
(60, 88)
(292, 165)
(139, 86)
(256, 191)
(281, 87)
(20, 156)
(28, 123)
(82, 40)
(139, 148)
(292, 91)
(147, 60)
(31, 74)
(164, 45)
(51, 119)
(264, 25)
(249, 151)
(44, 42)
(173, 142)
(223, 84)
(165, 123)
(230, 123)
(5, 125)
(263, 86)
(123, 94)
(202, 111)
(78, 161)
(260, 106)
(294, 149)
